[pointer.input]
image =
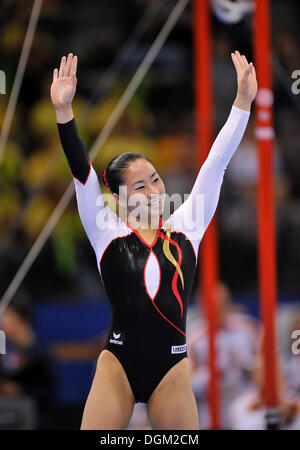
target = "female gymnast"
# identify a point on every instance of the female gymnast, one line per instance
(147, 271)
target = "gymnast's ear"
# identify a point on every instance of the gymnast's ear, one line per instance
(119, 201)
(116, 197)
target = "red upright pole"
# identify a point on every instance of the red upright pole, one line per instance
(204, 134)
(266, 216)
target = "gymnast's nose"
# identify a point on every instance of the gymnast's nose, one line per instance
(152, 194)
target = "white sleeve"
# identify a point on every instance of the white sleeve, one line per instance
(97, 218)
(196, 212)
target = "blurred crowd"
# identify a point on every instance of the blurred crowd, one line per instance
(158, 122)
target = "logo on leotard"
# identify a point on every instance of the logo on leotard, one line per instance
(116, 338)
(178, 348)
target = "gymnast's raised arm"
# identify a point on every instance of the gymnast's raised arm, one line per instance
(210, 177)
(88, 191)
(63, 89)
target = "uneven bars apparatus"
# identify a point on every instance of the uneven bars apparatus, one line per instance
(204, 138)
(266, 215)
(264, 134)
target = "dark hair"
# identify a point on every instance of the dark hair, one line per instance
(112, 175)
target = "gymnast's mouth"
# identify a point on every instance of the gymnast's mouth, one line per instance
(155, 202)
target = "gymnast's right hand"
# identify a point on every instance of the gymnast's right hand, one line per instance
(63, 87)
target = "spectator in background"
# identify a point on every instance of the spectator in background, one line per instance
(247, 411)
(26, 368)
(237, 339)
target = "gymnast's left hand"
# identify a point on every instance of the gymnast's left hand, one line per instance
(246, 80)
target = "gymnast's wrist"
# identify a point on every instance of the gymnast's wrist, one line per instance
(242, 102)
(64, 113)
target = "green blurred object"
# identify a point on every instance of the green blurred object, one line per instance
(10, 164)
(65, 235)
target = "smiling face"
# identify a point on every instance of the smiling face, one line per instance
(145, 190)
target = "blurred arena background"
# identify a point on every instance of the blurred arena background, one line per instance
(56, 322)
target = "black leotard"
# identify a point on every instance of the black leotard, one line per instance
(149, 292)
